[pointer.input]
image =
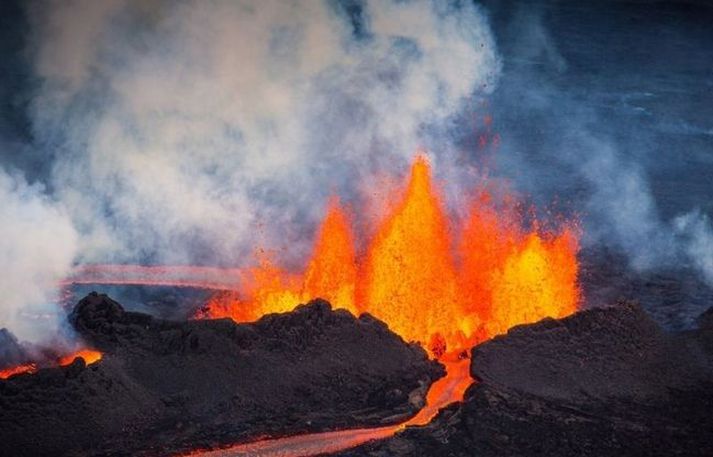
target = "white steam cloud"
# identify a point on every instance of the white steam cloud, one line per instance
(37, 246)
(192, 131)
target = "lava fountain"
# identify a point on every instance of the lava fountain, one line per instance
(445, 283)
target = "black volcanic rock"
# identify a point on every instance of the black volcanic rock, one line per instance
(11, 353)
(601, 382)
(164, 386)
(597, 354)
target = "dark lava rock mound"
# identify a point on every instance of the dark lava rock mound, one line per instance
(11, 353)
(165, 386)
(602, 382)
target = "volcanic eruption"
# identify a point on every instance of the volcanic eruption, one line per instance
(444, 283)
(355, 227)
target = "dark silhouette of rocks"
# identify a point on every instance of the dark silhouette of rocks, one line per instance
(605, 381)
(164, 386)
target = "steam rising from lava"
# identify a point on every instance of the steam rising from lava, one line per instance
(183, 129)
(179, 130)
(37, 246)
(189, 133)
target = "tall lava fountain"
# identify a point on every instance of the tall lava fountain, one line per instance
(431, 278)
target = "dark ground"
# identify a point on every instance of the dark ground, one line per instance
(606, 381)
(164, 386)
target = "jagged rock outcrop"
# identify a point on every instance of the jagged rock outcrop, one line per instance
(601, 382)
(164, 386)
(11, 353)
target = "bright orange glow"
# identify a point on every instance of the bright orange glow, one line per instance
(444, 391)
(536, 281)
(19, 369)
(332, 271)
(511, 276)
(266, 288)
(488, 237)
(445, 285)
(409, 278)
(89, 355)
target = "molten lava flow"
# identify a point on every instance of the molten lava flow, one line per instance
(443, 392)
(445, 285)
(89, 355)
(19, 369)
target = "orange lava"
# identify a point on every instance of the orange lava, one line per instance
(445, 283)
(443, 392)
(90, 356)
(19, 369)
(408, 277)
(332, 271)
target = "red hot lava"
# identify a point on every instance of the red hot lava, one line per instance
(90, 356)
(445, 283)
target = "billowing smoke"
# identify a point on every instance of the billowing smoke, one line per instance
(196, 131)
(193, 132)
(37, 246)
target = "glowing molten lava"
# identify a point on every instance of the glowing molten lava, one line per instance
(408, 277)
(447, 285)
(332, 270)
(19, 369)
(90, 356)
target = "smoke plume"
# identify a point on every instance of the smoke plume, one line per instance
(194, 132)
(37, 246)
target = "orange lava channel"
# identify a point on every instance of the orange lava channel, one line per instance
(18, 369)
(90, 356)
(442, 392)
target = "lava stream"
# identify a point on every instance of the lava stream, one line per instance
(443, 392)
(90, 356)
